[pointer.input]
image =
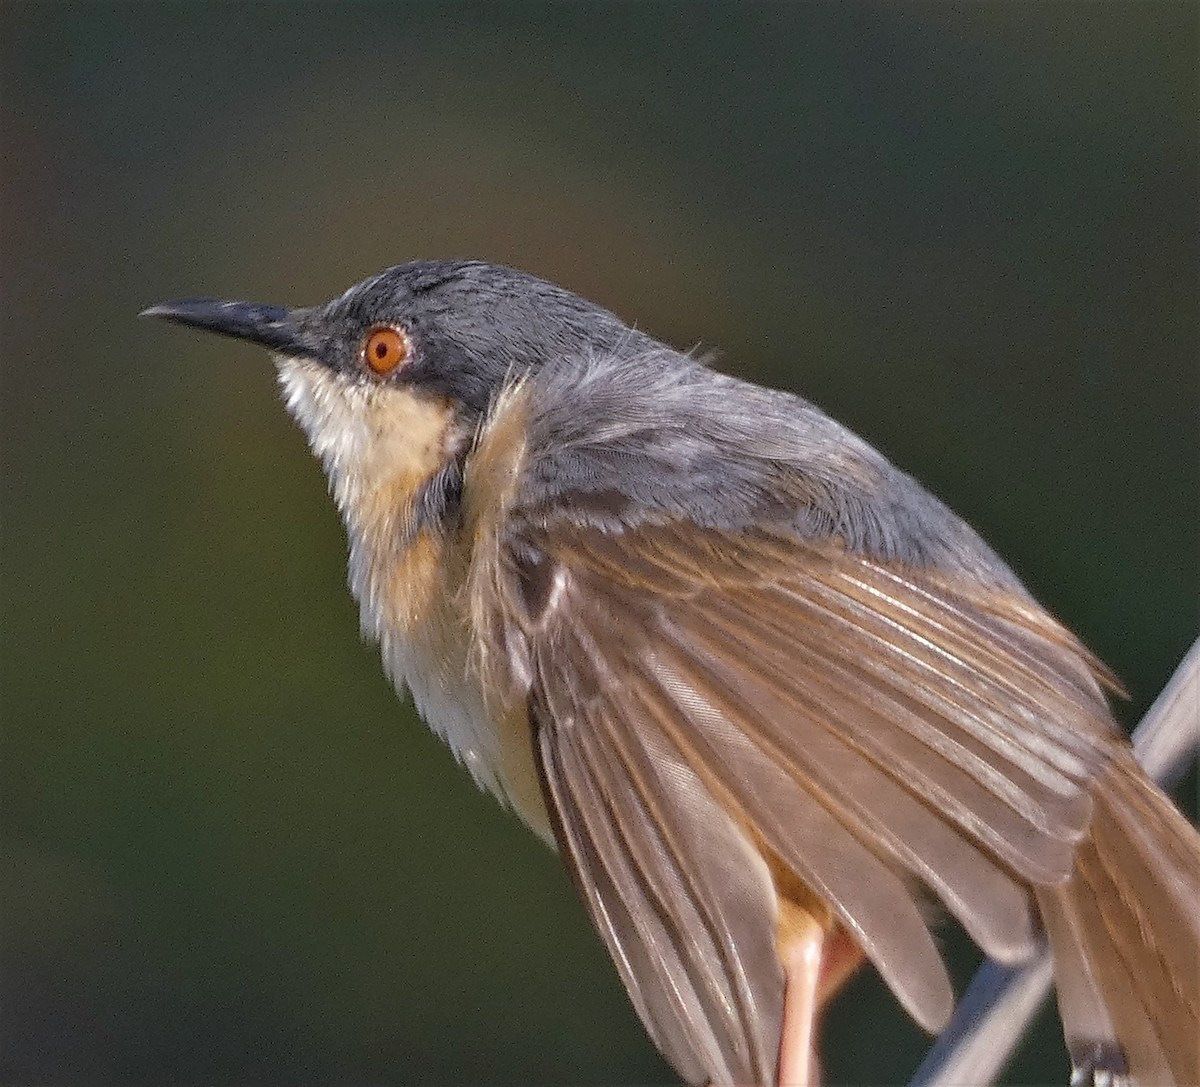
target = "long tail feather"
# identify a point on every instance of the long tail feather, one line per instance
(1125, 933)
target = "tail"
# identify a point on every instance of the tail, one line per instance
(1125, 934)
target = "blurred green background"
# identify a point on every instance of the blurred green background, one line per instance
(228, 854)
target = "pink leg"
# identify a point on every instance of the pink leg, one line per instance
(802, 974)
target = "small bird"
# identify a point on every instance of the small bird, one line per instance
(774, 703)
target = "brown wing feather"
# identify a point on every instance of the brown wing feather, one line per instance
(698, 893)
(811, 764)
(642, 947)
(704, 700)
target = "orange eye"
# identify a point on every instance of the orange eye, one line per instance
(385, 349)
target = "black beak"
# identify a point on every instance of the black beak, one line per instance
(271, 326)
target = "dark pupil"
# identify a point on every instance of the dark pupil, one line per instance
(381, 350)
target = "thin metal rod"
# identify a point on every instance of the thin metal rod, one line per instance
(996, 1009)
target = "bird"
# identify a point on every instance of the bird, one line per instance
(778, 708)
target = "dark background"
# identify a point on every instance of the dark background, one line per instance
(228, 855)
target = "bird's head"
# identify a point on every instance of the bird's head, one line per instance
(391, 380)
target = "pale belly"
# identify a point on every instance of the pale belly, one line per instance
(413, 610)
(497, 748)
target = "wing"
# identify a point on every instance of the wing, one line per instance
(713, 709)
